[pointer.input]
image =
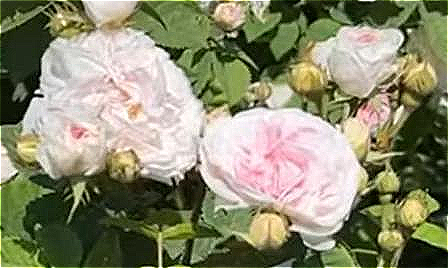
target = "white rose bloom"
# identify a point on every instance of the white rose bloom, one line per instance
(73, 140)
(103, 12)
(145, 99)
(287, 160)
(359, 58)
(7, 168)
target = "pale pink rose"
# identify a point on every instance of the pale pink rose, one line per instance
(375, 111)
(145, 100)
(103, 12)
(73, 140)
(285, 159)
(358, 59)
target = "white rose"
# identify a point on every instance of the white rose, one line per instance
(103, 12)
(73, 141)
(286, 160)
(229, 15)
(145, 99)
(359, 58)
(7, 168)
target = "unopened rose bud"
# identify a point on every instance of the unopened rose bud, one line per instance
(109, 13)
(390, 240)
(307, 78)
(259, 91)
(123, 166)
(27, 146)
(229, 15)
(268, 231)
(413, 212)
(388, 182)
(357, 134)
(363, 178)
(418, 77)
(411, 99)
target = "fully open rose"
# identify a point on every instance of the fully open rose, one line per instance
(359, 58)
(144, 99)
(287, 160)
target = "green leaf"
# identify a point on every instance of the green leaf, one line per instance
(174, 248)
(19, 193)
(18, 19)
(174, 32)
(339, 16)
(166, 216)
(431, 234)
(375, 211)
(255, 28)
(285, 39)
(178, 232)
(233, 78)
(322, 29)
(140, 227)
(203, 247)
(339, 256)
(14, 255)
(106, 252)
(60, 245)
(434, 25)
(403, 16)
(227, 222)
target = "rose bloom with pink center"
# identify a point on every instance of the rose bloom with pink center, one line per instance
(375, 111)
(286, 160)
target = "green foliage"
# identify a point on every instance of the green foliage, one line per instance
(322, 29)
(14, 254)
(285, 39)
(432, 234)
(233, 78)
(10, 23)
(58, 238)
(106, 252)
(169, 27)
(254, 28)
(339, 256)
(18, 193)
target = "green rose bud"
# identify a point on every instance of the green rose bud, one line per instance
(390, 240)
(27, 146)
(357, 134)
(387, 182)
(413, 212)
(307, 78)
(268, 231)
(123, 166)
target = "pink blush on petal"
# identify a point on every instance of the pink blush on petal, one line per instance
(272, 165)
(367, 37)
(78, 132)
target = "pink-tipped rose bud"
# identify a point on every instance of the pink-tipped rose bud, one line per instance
(230, 15)
(375, 111)
(107, 12)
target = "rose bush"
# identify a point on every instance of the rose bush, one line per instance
(359, 58)
(287, 160)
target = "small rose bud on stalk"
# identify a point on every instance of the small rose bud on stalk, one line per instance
(357, 134)
(412, 212)
(27, 146)
(306, 78)
(230, 15)
(387, 183)
(258, 92)
(363, 179)
(123, 166)
(268, 230)
(390, 240)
